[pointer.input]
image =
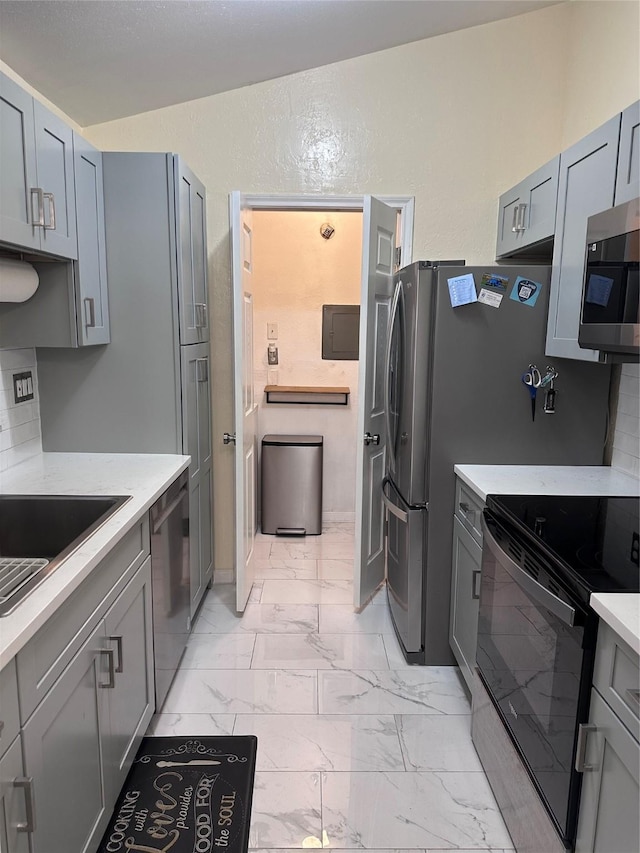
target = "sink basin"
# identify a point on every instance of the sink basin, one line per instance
(37, 532)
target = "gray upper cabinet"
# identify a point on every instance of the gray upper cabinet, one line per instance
(36, 175)
(586, 186)
(90, 271)
(527, 212)
(191, 228)
(628, 173)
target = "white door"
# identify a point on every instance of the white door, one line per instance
(246, 409)
(378, 251)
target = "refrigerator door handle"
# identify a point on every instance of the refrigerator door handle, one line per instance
(393, 509)
(387, 367)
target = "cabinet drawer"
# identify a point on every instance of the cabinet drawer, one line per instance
(9, 715)
(45, 656)
(616, 677)
(468, 510)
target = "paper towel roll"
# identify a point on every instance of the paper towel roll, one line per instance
(18, 280)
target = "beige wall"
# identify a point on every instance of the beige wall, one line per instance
(295, 272)
(453, 120)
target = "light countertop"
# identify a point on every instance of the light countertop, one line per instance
(548, 480)
(621, 611)
(143, 476)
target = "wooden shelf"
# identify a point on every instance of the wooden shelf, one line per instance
(316, 395)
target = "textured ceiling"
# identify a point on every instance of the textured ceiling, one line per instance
(104, 59)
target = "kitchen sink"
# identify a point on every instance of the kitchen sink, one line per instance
(37, 532)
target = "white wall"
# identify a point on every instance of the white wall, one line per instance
(20, 435)
(295, 273)
(626, 438)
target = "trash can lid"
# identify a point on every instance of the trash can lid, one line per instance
(295, 440)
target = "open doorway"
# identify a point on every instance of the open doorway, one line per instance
(387, 226)
(299, 272)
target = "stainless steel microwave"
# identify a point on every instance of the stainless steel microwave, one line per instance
(610, 311)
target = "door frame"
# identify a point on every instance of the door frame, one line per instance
(404, 204)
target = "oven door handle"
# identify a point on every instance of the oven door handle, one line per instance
(557, 606)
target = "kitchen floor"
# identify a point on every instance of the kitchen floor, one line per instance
(356, 749)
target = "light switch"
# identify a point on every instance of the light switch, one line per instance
(272, 331)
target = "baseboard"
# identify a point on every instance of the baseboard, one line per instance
(338, 517)
(223, 576)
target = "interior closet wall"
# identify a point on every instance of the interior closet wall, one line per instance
(295, 272)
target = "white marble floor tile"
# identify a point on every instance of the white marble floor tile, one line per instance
(342, 619)
(379, 599)
(312, 742)
(319, 651)
(218, 651)
(335, 570)
(255, 596)
(307, 592)
(286, 810)
(166, 725)
(274, 569)
(221, 593)
(257, 619)
(395, 850)
(422, 690)
(412, 810)
(395, 656)
(242, 691)
(338, 532)
(439, 743)
(313, 548)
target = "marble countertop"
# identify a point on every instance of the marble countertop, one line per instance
(143, 476)
(547, 480)
(619, 610)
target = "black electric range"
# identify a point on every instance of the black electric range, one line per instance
(593, 541)
(543, 557)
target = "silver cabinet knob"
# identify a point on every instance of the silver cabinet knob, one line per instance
(228, 438)
(371, 439)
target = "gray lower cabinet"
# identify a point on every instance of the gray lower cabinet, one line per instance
(608, 821)
(196, 442)
(465, 579)
(586, 186)
(527, 212)
(81, 738)
(14, 796)
(63, 750)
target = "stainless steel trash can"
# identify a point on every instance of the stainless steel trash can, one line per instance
(292, 484)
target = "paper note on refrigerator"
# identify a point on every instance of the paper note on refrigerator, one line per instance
(599, 289)
(490, 297)
(462, 290)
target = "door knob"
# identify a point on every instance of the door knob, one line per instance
(227, 438)
(371, 439)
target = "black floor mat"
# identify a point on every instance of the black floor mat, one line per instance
(185, 795)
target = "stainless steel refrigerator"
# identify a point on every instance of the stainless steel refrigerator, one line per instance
(455, 395)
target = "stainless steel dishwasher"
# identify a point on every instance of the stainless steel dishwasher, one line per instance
(170, 582)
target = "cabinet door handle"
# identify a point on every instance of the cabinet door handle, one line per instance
(90, 312)
(521, 218)
(634, 695)
(37, 221)
(111, 683)
(52, 213)
(584, 731)
(202, 369)
(475, 584)
(29, 825)
(201, 315)
(118, 642)
(464, 506)
(514, 224)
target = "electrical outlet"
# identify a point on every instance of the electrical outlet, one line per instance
(272, 354)
(23, 386)
(635, 549)
(272, 331)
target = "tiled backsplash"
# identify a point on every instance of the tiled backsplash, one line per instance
(20, 435)
(626, 438)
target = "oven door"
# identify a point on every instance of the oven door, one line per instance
(535, 648)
